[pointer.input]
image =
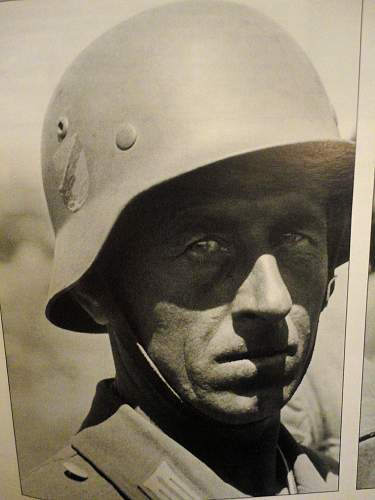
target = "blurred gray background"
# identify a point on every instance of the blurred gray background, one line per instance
(53, 373)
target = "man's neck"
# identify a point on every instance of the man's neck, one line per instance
(245, 456)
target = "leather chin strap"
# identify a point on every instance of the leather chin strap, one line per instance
(137, 377)
(156, 370)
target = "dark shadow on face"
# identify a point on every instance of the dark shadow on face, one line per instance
(222, 276)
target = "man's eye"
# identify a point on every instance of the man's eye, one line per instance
(291, 238)
(203, 249)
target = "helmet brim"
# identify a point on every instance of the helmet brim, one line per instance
(331, 162)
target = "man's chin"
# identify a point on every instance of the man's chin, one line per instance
(241, 409)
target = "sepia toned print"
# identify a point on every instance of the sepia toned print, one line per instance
(366, 455)
(200, 195)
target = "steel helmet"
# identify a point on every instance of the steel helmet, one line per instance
(161, 94)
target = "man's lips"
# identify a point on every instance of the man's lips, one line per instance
(256, 353)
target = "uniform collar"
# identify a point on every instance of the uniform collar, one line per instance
(127, 448)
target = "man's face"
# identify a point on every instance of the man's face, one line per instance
(224, 283)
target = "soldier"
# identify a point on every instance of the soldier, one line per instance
(200, 196)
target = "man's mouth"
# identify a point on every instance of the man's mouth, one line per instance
(256, 353)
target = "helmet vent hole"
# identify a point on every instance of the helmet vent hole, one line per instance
(62, 128)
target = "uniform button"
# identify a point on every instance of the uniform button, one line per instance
(73, 471)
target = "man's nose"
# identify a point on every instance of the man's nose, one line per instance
(264, 293)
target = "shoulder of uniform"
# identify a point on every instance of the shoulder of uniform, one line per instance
(67, 476)
(323, 463)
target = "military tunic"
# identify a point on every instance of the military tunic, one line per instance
(128, 456)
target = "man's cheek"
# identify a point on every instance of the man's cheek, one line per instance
(309, 292)
(187, 333)
(171, 331)
(300, 328)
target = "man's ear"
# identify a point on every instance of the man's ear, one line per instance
(93, 296)
(329, 290)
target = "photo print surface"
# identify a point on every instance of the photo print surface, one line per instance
(180, 180)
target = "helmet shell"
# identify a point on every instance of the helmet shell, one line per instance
(161, 94)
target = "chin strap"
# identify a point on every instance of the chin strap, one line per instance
(291, 481)
(156, 370)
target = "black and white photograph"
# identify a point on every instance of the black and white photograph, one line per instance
(177, 183)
